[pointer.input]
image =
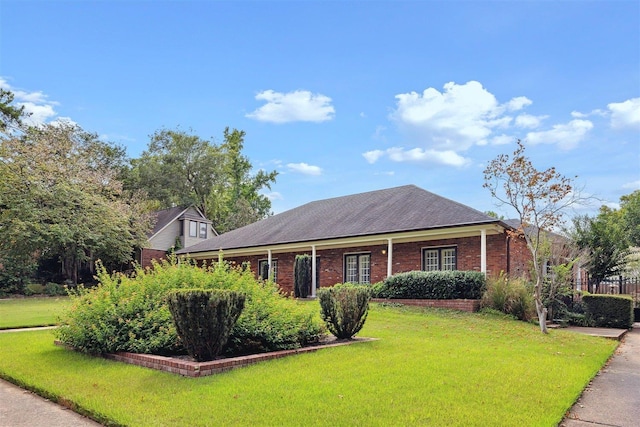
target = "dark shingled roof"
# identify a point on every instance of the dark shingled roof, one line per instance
(406, 208)
(164, 217)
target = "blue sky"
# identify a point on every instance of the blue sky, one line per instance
(347, 97)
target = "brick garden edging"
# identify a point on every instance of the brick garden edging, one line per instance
(470, 305)
(189, 368)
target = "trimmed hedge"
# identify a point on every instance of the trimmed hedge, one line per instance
(204, 319)
(609, 311)
(432, 285)
(131, 313)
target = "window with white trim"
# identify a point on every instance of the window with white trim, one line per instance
(193, 228)
(435, 259)
(357, 268)
(263, 269)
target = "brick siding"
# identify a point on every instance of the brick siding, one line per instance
(406, 257)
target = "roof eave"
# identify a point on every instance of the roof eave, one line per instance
(458, 231)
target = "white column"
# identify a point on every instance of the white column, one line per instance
(483, 251)
(313, 271)
(389, 257)
(269, 262)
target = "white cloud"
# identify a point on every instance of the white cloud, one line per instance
(566, 136)
(305, 168)
(456, 118)
(502, 140)
(274, 195)
(373, 155)
(36, 105)
(625, 114)
(528, 121)
(634, 185)
(296, 106)
(518, 103)
(418, 155)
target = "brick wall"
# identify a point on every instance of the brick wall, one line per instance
(470, 305)
(147, 255)
(406, 257)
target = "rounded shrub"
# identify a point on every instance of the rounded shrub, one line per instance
(344, 308)
(204, 319)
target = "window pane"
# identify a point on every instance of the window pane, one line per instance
(203, 230)
(431, 260)
(274, 267)
(351, 268)
(449, 259)
(365, 268)
(193, 229)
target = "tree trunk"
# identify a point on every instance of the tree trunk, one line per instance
(542, 315)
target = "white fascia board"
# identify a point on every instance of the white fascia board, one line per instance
(381, 239)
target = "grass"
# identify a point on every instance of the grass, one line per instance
(29, 312)
(428, 367)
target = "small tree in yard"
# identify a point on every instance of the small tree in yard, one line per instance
(539, 198)
(344, 308)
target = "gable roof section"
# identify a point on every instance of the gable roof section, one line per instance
(165, 217)
(399, 209)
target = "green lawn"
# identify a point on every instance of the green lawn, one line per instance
(27, 312)
(428, 367)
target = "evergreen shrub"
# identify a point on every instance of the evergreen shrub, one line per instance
(609, 311)
(204, 319)
(344, 308)
(432, 285)
(302, 276)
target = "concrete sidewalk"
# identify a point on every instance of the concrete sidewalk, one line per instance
(613, 397)
(21, 408)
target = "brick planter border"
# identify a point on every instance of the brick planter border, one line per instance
(190, 368)
(469, 305)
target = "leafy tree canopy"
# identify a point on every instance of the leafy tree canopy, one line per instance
(179, 168)
(60, 197)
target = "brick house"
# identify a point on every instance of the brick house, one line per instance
(174, 228)
(369, 236)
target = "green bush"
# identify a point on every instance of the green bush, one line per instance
(433, 285)
(609, 311)
(512, 296)
(204, 319)
(33, 289)
(54, 289)
(344, 308)
(125, 313)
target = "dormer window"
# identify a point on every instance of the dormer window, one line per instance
(203, 230)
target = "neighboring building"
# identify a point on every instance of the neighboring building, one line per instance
(175, 228)
(369, 236)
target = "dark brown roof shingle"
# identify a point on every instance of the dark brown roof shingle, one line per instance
(406, 208)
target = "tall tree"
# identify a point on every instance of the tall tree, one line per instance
(60, 197)
(179, 168)
(604, 242)
(539, 198)
(10, 115)
(630, 209)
